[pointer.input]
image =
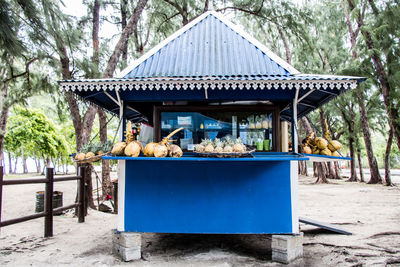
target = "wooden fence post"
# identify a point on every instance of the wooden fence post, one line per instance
(1, 190)
(81, 194)
(48, 204)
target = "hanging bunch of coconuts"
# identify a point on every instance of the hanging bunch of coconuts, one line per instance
(321, 145)
(163, 148)
(130, 147)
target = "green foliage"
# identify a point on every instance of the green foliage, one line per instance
(31, 131)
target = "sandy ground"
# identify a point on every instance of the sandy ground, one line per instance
(370, 212)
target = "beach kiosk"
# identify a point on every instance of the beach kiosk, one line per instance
(212, 79)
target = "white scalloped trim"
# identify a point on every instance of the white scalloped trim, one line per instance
(212, 85)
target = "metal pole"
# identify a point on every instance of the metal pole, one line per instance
(294, 123)
(1, 190)
(48, 204)
(81, 194)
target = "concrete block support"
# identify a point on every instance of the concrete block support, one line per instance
(127, 245)
(286, 248)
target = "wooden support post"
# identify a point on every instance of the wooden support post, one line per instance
(48, 204)
(81, 194)
(1, 190)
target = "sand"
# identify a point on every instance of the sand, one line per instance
(370, 212)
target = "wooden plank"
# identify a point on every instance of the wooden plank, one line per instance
(326, 226)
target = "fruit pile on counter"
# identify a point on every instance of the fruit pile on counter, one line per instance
(321, 146)
(132, 148)
(225, 144)
(93, 152)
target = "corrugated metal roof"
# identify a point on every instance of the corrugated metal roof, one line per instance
(208, 48)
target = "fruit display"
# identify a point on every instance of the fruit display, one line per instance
(92, 152)
(130, 147)
(163, 148)
(224, 145)
(321, 145)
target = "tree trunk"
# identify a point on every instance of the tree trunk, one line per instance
(388, 180)
(321, 174)
(350, 126)
(123, 6)
(353, 174)
(3, 117)
(95, 36)
(24, 166)
(360, 167)
(332, 170)
(337, 170)
(373, 165)
(315, 169)
(126, 33)
(105, 164)
(9, 163)
(285, 44)
(38, 168)
(15, 164)
(389, 97)
(48, 162)
(89, 186)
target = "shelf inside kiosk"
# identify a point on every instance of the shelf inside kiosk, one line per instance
(254, 128)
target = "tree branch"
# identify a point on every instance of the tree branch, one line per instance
(26, 72)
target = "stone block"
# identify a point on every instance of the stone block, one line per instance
(286, 248)
(127, 239)
(127, 254)
(127, 245)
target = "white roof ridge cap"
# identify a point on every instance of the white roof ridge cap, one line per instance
(163, 43)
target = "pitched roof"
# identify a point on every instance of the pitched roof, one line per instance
(210, 59)
(208, 46)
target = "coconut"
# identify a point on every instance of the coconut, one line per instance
(160, 151)
(118, 148)
(132, 149)
(89, 155)
(140, 144)
(335, 154)
(321, 143)
(228, 148)
(175, 151)
(149, 149)
(326, 152)
(315, 150)
(80, 156)
(307, 150)
(334, 145)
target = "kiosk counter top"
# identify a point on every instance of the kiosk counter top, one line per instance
(258, 156)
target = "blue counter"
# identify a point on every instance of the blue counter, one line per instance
(209, 195)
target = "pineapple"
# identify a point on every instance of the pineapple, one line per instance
(228, 144)
(258, 122)
(238, 146)
(219, 145)
(264, 122)
(209, 146)
(199, 148)
(252, 125)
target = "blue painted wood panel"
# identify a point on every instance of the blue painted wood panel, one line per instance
(208, 197)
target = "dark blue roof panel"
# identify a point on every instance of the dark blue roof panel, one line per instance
(208, 48)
